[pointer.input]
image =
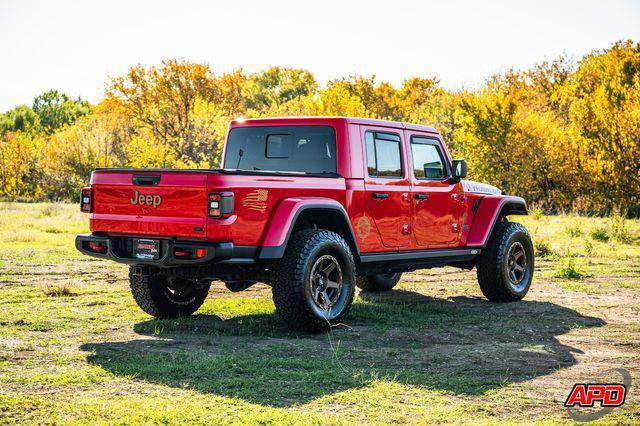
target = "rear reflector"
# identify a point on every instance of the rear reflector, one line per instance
(189, 253)
(97, 247)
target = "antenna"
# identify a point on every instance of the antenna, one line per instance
(240, 154)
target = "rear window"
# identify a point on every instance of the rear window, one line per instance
(307, 149)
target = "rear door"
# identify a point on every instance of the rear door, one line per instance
(436, 201)
(387, 185)
(150, 203)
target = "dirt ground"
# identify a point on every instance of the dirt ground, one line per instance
(74, 347)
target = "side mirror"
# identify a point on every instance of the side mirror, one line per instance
(459, 169)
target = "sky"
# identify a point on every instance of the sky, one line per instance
(75, 46)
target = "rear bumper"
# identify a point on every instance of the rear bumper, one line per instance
(117, 250)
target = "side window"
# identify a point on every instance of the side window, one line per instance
(371, 154)
(428, 162)
(383, 154)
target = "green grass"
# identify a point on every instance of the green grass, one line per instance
(600, 234)
(570, 269)
(542, 248)
(74, 347)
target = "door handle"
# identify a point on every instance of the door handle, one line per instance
(420, 196)
(380, 195)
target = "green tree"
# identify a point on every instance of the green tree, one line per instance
(56, 109)
(22, 119)
(277, 86)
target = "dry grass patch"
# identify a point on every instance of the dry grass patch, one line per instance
(60, 289)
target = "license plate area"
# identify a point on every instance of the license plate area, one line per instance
(146, 249)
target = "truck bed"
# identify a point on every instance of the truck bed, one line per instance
(174, 203)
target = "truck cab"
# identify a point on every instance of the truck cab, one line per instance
(312, 206)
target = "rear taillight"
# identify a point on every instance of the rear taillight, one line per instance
(220, 204)
(86, 200)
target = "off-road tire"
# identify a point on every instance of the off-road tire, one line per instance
(292, 281)
(493, 265)
(378, 282)
(151, 293)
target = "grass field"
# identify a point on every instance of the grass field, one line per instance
(74, 347)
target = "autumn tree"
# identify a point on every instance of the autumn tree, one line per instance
(603, 102)
(563, 134)
(20, 173)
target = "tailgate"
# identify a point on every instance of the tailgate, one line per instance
(153, 203)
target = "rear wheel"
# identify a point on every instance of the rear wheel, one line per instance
(167, 297)
(505, 268)
(378, 282)
(314, 283)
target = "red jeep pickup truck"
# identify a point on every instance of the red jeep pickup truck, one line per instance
(312, 206)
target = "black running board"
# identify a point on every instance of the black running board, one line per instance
(449, 254)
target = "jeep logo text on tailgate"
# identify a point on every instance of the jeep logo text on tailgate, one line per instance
(149, 200)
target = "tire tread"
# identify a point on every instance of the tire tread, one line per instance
(288, 280)
(489, 267)
(150, 298)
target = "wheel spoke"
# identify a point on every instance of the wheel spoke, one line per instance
(329, 268)
(326, 302)
(326, 282)
(332, 284)
(516, 264)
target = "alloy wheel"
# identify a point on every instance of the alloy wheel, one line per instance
(517, 266)
(326, 282)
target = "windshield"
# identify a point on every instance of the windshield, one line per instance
(306, 149)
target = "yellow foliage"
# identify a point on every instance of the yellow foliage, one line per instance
(19, 173)
(563, 135)
(336, 100)
(143, 150)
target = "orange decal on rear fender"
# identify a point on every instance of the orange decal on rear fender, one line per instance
(256, 200)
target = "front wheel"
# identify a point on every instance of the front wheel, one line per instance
(505, 268)
(314, 283)
(166, 297)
